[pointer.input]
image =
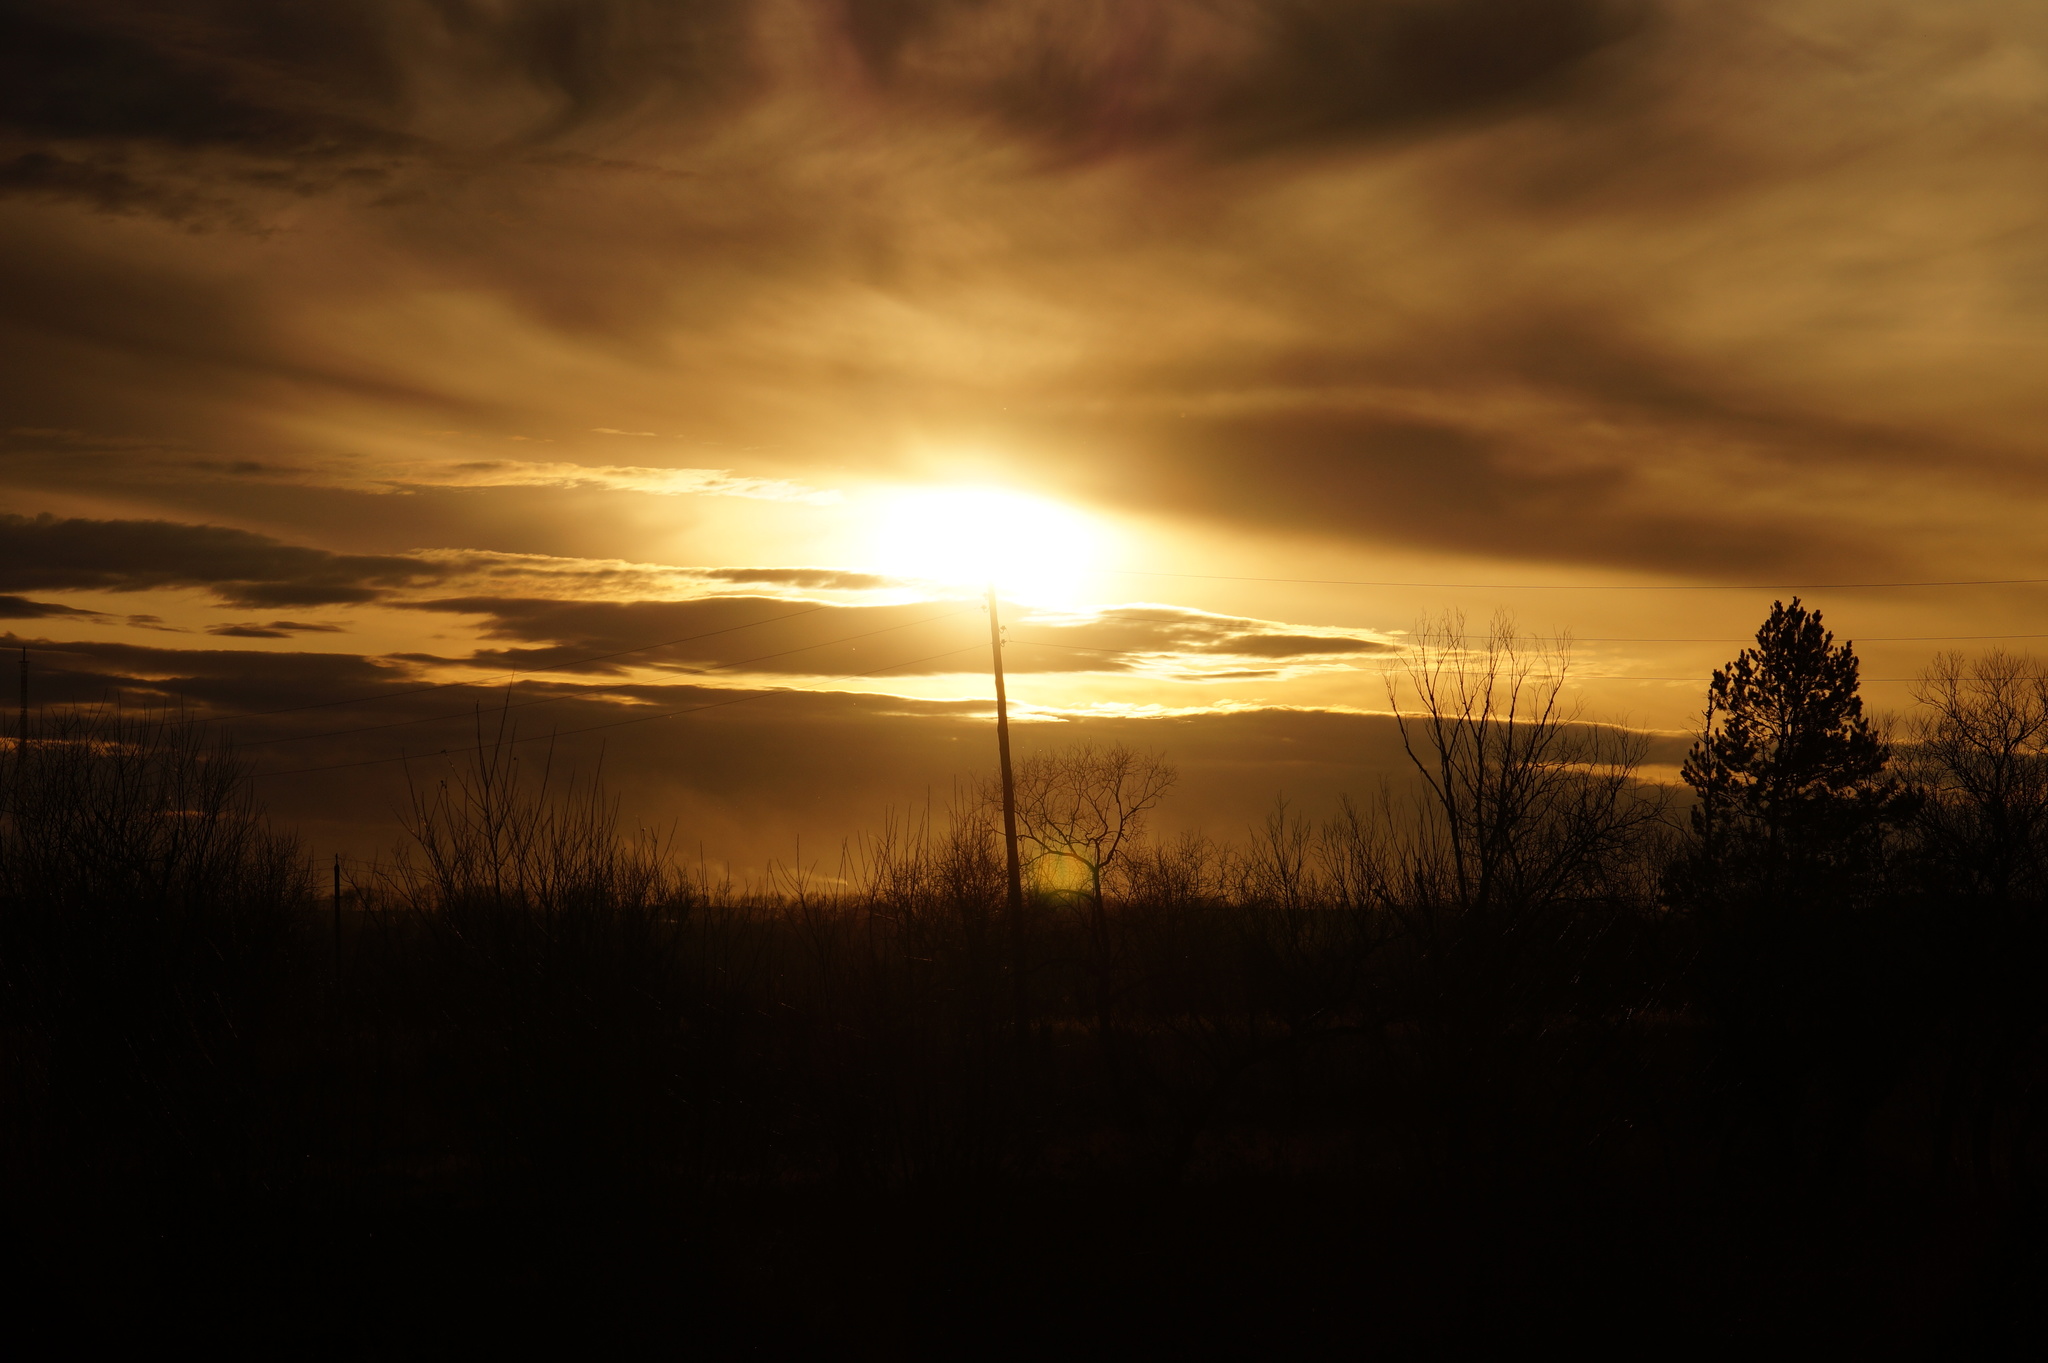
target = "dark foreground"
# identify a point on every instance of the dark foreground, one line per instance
(1245, 1268)
(535, 1089)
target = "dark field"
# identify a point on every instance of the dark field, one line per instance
(1573, 1078)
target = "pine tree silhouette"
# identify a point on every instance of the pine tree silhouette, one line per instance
(1788, 768)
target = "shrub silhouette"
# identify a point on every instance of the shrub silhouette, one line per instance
(152, 930)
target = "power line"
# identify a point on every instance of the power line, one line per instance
(1568, 674)
(1594, 586)
(548, 700)
(1751, 638)
(612, 724)
(1114, 619)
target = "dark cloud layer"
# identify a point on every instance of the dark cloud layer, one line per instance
(812, 579)
(222, 680)
(133, 106)
(1445, 485)
(276, 629)
(107, 96)
(1232, 78)
(761, 634)
(1646, 285)
(45, 553)
(21, 608)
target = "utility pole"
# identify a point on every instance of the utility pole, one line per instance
(337, 910)
(1016, 872)
(22, 729)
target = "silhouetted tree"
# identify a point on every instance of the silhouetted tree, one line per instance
(1794, 795)
(1087, 806)
(1530, 806)
(1979, 757)
(150, 926)
(1526, 855)
(1788, 769)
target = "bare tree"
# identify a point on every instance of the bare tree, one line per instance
(1280, 863)
(1978, 751)
(1086, 806)
(1532, 804)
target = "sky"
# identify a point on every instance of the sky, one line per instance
(355, 348)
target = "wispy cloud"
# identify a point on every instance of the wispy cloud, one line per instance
(660, 482)
(764, 634)
(276, 629)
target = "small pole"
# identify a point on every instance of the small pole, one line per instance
(337, 908)
(21, 740)
(1015, 901)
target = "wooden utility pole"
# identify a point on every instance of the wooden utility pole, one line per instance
(337, 909)
(1016, 870)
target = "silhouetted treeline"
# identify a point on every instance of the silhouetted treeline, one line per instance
(1535, 1045)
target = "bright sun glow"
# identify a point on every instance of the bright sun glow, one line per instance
(1028, 546)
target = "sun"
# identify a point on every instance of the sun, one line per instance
(1030, 547)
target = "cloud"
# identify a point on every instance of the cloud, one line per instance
(1149, 627)
(21, 608)
(108, 188)
(305, 101)
(127, 105)
(815, 579)
(764, 635)
(276, 629)
(145, 459)
(1670, 288)
(607, 478)
(246, 632)
(70, 672)
(1233, 78)
(1175, 644)
(751, 634)
(242, 568)
(564, 578)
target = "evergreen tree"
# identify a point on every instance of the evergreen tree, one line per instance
(1788, 768)
(1793, 794)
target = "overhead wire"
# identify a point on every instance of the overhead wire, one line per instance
(1594, 586)
(1569, 675)
(1588, 638)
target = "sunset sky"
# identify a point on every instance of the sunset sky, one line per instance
(357, 347)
